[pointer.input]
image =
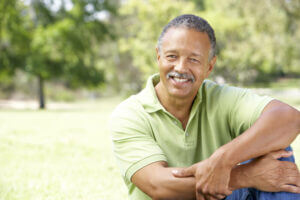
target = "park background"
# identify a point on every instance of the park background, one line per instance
(65, 65)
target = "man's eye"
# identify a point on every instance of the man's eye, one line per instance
(171, 56)
(194, 60)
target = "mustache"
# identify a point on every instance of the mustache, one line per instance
(179, 75)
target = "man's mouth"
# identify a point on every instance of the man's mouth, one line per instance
(181, 78)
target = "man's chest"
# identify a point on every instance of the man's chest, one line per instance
(197, 142)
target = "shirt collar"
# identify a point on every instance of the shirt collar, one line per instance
(149, 99)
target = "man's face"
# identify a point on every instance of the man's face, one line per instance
(183, 61)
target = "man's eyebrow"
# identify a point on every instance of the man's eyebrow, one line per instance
(197, 54)
(192, 54)
(170, 51)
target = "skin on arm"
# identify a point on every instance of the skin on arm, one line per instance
(276, 128)
(158, 182)
(265, 173)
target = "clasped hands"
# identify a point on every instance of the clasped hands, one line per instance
(265, 173)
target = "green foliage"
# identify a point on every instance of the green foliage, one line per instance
(146, 19)
(60, 94)
(55, 43)
(52, 44)
(14, 39)
(66, 45)
(260, 46)
(256, 40)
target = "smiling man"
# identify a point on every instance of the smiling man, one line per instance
(183, 137)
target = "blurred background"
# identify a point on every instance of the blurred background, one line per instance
(65, 64)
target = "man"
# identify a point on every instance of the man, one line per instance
(183, 137)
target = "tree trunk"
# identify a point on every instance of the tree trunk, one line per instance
(41, 93)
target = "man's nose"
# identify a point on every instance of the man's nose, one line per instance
(181, 66)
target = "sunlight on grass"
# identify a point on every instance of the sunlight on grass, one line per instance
(63, 153)
(58, 154)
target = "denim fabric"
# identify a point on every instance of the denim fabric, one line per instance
(254, 194)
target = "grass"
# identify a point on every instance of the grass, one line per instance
(58, 154)
(63, 154)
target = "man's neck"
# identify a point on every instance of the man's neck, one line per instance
(178, 107)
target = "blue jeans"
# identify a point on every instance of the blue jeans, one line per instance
(254, 194)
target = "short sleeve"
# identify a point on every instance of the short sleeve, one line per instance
(133, 144)
(246, 109)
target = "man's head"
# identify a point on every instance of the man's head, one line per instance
(186, 56)
(191, 22)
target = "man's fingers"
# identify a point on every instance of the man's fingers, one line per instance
(209, 197)
(291, 173)
(186, 172)
(290, 188)
(293, 180)
(220, 196)
(214, 197)
(228, 192)
(281, 154)
(199, 196)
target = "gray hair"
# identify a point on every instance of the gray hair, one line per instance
(191, 22)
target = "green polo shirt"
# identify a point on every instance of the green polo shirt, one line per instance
(143, 131)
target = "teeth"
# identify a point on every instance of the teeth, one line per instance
(180, 79)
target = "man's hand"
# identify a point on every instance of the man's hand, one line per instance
(266, 173)
(212, 178)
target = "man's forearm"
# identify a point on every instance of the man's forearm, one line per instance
(265, 173)
(163, 185)
(275, 129)
(170, 187)
(158, 182)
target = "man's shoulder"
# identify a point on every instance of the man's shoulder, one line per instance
(213, 89)
(133, 108)
(127, 106)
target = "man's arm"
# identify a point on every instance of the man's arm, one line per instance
(157, 181)
(268, 174)
(276, 128)
(265, 173)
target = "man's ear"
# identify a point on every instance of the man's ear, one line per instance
(157, 54)
(211, 64)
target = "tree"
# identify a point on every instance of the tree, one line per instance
(253, 40)
(256, 40)
(14, 41)
(60, 42)
(144, 21)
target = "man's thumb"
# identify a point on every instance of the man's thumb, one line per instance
(281, 154)
(185, 172)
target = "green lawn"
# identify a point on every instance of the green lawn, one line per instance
(63, 153)
(59, 154)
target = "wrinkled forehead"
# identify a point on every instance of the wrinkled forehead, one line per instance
(185, 39)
